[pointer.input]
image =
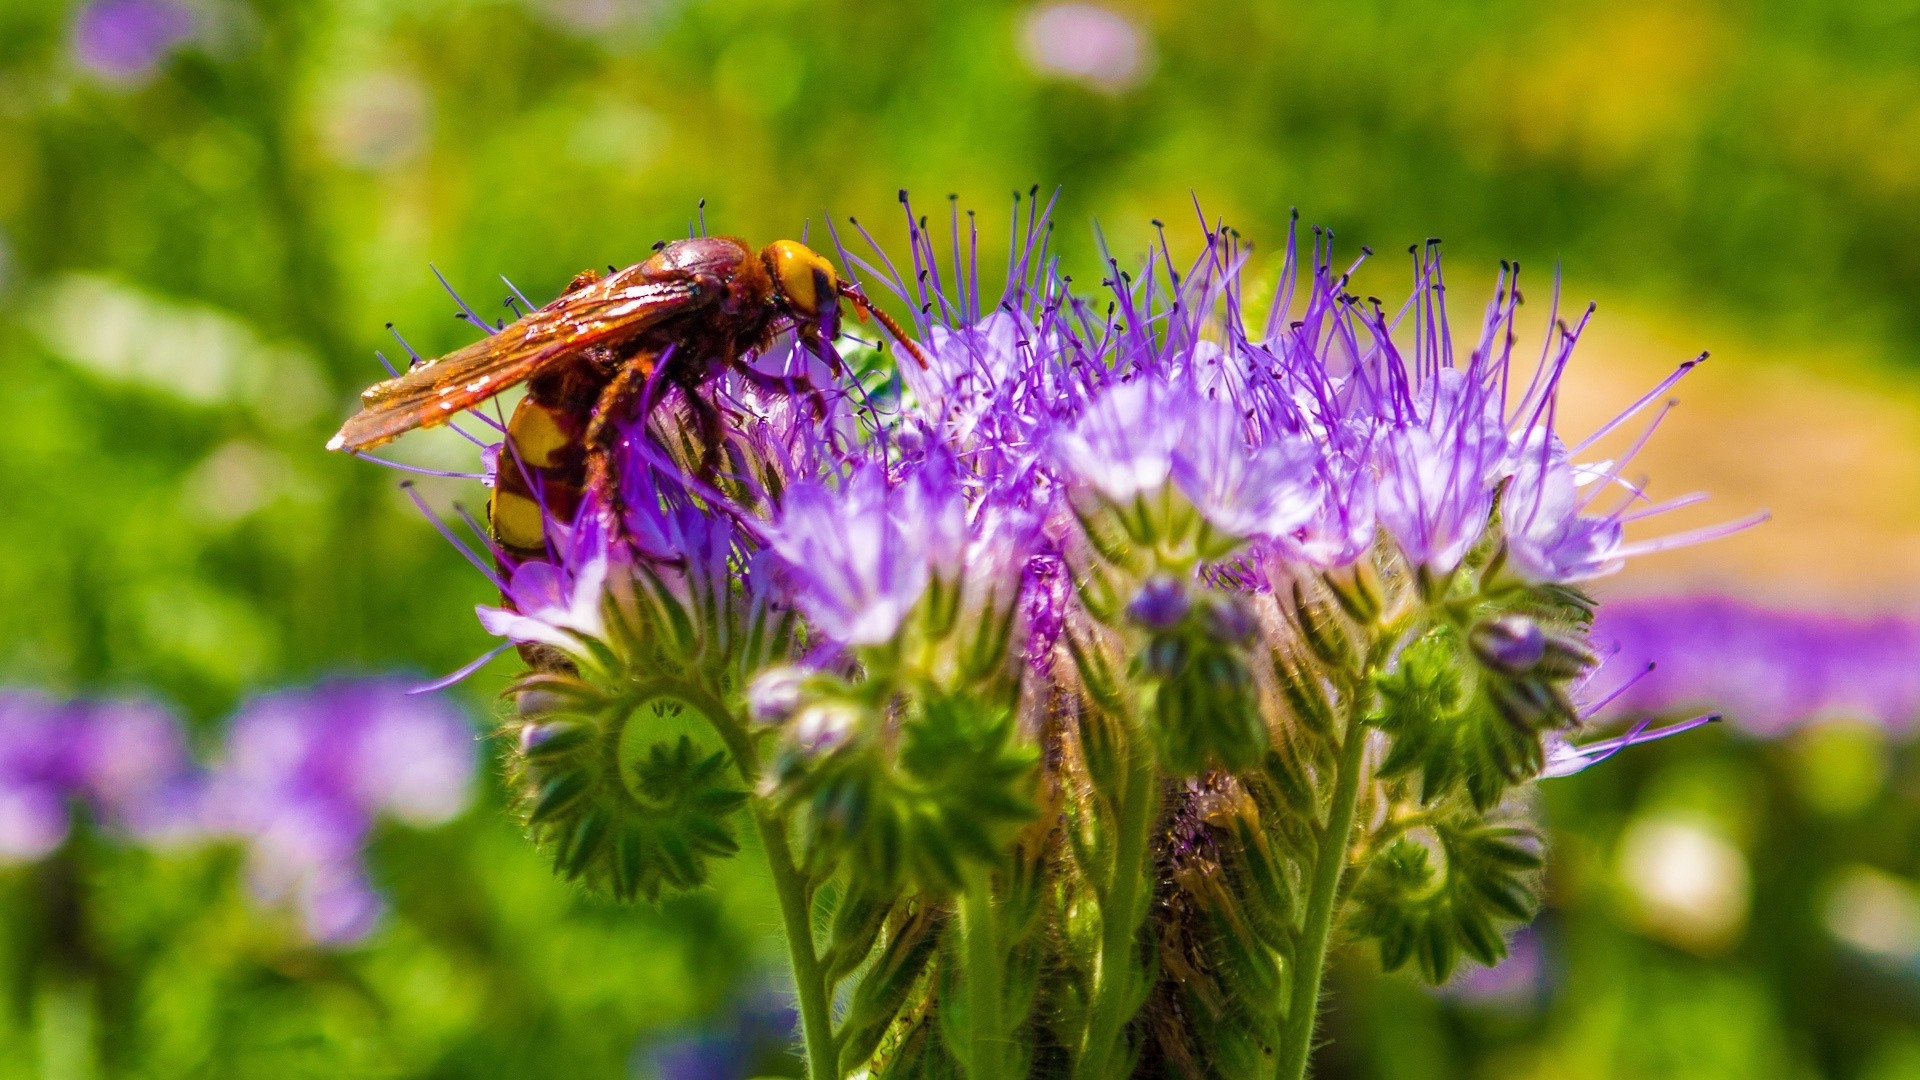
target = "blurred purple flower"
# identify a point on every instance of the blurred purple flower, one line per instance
(747, 1042)
(306, 774)
(1768, 671)
(124, 40)
(1519, 980)
(1086, 42)
(125, 761)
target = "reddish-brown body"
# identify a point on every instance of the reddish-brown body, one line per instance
(693, 310)
(573, 403)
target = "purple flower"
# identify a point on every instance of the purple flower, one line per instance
(1348, 432)
(558, 603)
(1564, 757)
(1161, 604)
(125, 39)
(1245, 489)
(1045, 589)
(1548, 539)
(862, 553)
(126, 761)
(1768, 670)
(1123, 444)
(1135, 438)
(1438, 471)
(306, 774)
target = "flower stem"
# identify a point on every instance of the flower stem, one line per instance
(986, 1052)
(810, 981)
(1120, 907)
(1296, 1039)
(790, 885)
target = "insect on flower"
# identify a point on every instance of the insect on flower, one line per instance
(696, 308)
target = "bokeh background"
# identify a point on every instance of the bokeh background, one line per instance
(209, 210)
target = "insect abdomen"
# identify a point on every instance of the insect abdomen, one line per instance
(542, 467)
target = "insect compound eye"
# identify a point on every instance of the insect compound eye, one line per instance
(827, 293)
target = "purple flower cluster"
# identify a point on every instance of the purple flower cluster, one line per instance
(1768, 670)
(302, 778)
(125, 762)
(1280, 451)
(306, 773)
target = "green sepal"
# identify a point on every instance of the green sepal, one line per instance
(1429, 916)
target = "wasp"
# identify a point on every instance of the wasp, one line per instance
(696, 308)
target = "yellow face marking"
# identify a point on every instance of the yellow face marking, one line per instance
(517, 521)
(798, 267)
(536, 434)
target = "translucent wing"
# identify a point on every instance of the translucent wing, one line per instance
(604, 313)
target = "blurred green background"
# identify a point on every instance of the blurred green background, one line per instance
(200, 244)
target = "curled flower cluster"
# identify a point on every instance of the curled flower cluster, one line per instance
(300, 782)
(1080, 679)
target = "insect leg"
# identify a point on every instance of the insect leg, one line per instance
(790, 385)
(709, 424)
(614, 406)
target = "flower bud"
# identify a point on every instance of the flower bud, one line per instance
(1529, 704)
(1512, 643)
(546, 742)
(1566, 657)
(775, 694)
(823, 725)
(1160, 604)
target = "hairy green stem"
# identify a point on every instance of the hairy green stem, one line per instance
(789, 884)
(1119, 898)
(983, 981)
(809, 978)
(1296, 1039)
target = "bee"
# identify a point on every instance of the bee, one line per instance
(696, 308)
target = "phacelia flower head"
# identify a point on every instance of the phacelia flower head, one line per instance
(856, 552)
(1336, 436)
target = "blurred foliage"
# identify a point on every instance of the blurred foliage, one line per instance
(196, 265)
